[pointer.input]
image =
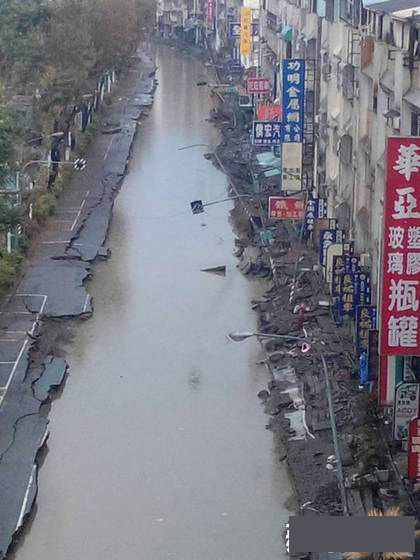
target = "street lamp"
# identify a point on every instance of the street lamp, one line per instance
(308, 344)
(240, 198)
(53, 135)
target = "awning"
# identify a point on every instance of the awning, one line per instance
(287, 33)
(268, 159)
(412, 97)
(272, 172)
(387, 82)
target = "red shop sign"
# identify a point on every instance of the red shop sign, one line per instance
(268, 111)
(258, 85)
(401, 254)
(286, 208)
(414, 449)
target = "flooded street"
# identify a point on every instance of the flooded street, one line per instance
(158, 447)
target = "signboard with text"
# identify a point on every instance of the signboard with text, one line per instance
(210, 13)
(401, 254)
(406, 408)
(245, 31)
(414, 449)
(326, 238)
(316, 208)
(258, 85)
(293, 96)
(268, 111)
(286, 208)
(266, 133)
(291, 160)
(365, 322)
(235, 28)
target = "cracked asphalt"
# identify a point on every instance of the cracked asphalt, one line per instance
(53, 287)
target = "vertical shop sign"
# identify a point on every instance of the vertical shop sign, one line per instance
(326, 238)
(399, 331)
(266, 133)
(210, 14)
(414, 449)
(293, 99)
(406, 408)
(291, 160)
(245, 38)
(365, 322)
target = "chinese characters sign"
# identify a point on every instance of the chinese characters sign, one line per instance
(258, 85)
(406, 408)
(342, 264)
(401, 255)
(365, 322)
(291, 159)
(293, 99)
(210, 13)
(326, 238)
(286, 208)
(246, 21)
(266, 132)
(315, 208)
(414, 450)
(235, 28)
(268, 111)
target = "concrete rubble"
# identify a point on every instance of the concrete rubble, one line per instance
(53, 288)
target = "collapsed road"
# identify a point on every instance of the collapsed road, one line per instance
(53, 287)
(157, 446)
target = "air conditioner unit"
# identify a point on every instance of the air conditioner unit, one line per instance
(245, 101)
(365, 260)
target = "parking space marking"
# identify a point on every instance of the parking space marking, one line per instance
(26, 497)
(78, 215)
(86, 303)
(3, 390)
(55, 242)
(109, 147)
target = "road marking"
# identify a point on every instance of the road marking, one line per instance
(86, 303)
(25, 498)
(78, 215)
(15, 332)
(109, 147)
(54, 242)
(12, 373)
(8, 340)
(15, 313)
(8, 363)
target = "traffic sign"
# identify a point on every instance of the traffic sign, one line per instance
(197, 207)
(79, 164)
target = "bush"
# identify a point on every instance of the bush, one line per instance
(44, 206)
(9, 271)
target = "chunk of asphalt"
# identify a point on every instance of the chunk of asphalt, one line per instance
(52, 378)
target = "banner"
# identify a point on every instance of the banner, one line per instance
(326, 238)
(293, 99)
(246, 21)
(286, 208)
(291, 167)
(266, 133)
(399, 332)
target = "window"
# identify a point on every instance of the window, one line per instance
(380, 27)
(415, 124)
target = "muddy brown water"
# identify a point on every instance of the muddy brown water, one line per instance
(158, 447)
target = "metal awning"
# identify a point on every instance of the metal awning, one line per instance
(268, 159)
(287, 33)
(412, 97)
(387, 81)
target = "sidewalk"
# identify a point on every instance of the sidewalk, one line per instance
(52, 288)
(296, 398)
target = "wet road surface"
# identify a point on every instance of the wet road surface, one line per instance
(158, 448)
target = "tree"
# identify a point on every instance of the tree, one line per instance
(6, 138)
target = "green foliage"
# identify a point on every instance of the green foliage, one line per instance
(44, 206)
(9, 271)
(6, 138)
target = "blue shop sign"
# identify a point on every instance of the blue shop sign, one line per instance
(315, 208)
(293, 98)
(235, 29)
(342, 264)
(267, 133)
(365, 322)
(328, 237)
